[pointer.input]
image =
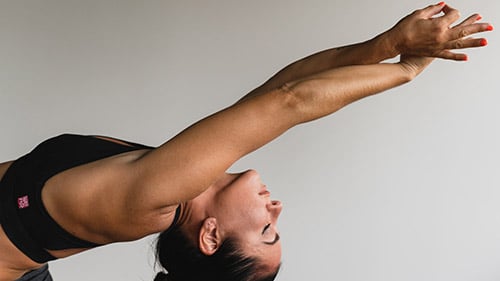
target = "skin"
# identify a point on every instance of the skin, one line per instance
(189, 169)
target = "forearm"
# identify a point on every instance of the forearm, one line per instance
(324, 93)
(372, 51)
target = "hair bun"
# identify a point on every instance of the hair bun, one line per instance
(161, 276)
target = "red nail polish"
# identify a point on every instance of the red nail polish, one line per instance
(465, 58)
(483, 42)
(489, 28)
(479, 17)
(441, 3)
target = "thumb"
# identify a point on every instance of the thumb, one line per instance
(433, 10)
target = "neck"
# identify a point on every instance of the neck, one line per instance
(193, 213)
(185, 213)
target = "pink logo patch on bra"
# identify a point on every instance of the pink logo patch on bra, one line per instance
(23, 202)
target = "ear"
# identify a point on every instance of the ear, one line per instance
(209, 237)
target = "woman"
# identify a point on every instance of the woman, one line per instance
(73, 193)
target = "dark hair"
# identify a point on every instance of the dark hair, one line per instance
(185, 262)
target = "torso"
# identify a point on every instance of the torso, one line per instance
(75, 207)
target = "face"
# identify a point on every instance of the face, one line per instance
(244, 210)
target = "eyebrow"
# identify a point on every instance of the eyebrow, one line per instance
(276, 239)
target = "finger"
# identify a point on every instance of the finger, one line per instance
(466, 43)
(470, 20)
(452, 56)
(432, 10)
(450, 15)
(460, 31)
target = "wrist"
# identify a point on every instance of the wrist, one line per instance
(387, 44)
(414, 65)
(409, 71)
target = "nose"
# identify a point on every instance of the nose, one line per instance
(275, 208)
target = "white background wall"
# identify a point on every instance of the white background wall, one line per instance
(401, 186)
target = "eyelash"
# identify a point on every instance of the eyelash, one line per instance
(266, 228)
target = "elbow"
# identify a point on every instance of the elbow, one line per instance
(293, 98)
(288, 95)
(308, 101)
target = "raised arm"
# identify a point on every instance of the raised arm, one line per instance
(186, 165)
(189, 163)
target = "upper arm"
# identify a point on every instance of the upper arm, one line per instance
(189, 163)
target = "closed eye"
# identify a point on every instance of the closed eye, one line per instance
(276, 237)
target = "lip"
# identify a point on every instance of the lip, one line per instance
(263, 191)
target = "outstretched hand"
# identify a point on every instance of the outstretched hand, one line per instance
(427, 33)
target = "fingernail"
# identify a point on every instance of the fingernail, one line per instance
(489, 28)
(479, 17)
(483, 42)
(441, 3)
(466, 58)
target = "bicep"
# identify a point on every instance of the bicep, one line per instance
(189, 163)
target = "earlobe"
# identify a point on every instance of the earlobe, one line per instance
(209, 238)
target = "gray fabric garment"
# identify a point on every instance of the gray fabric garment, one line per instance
(41, 274)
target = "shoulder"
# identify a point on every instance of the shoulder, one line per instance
(95, 199)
